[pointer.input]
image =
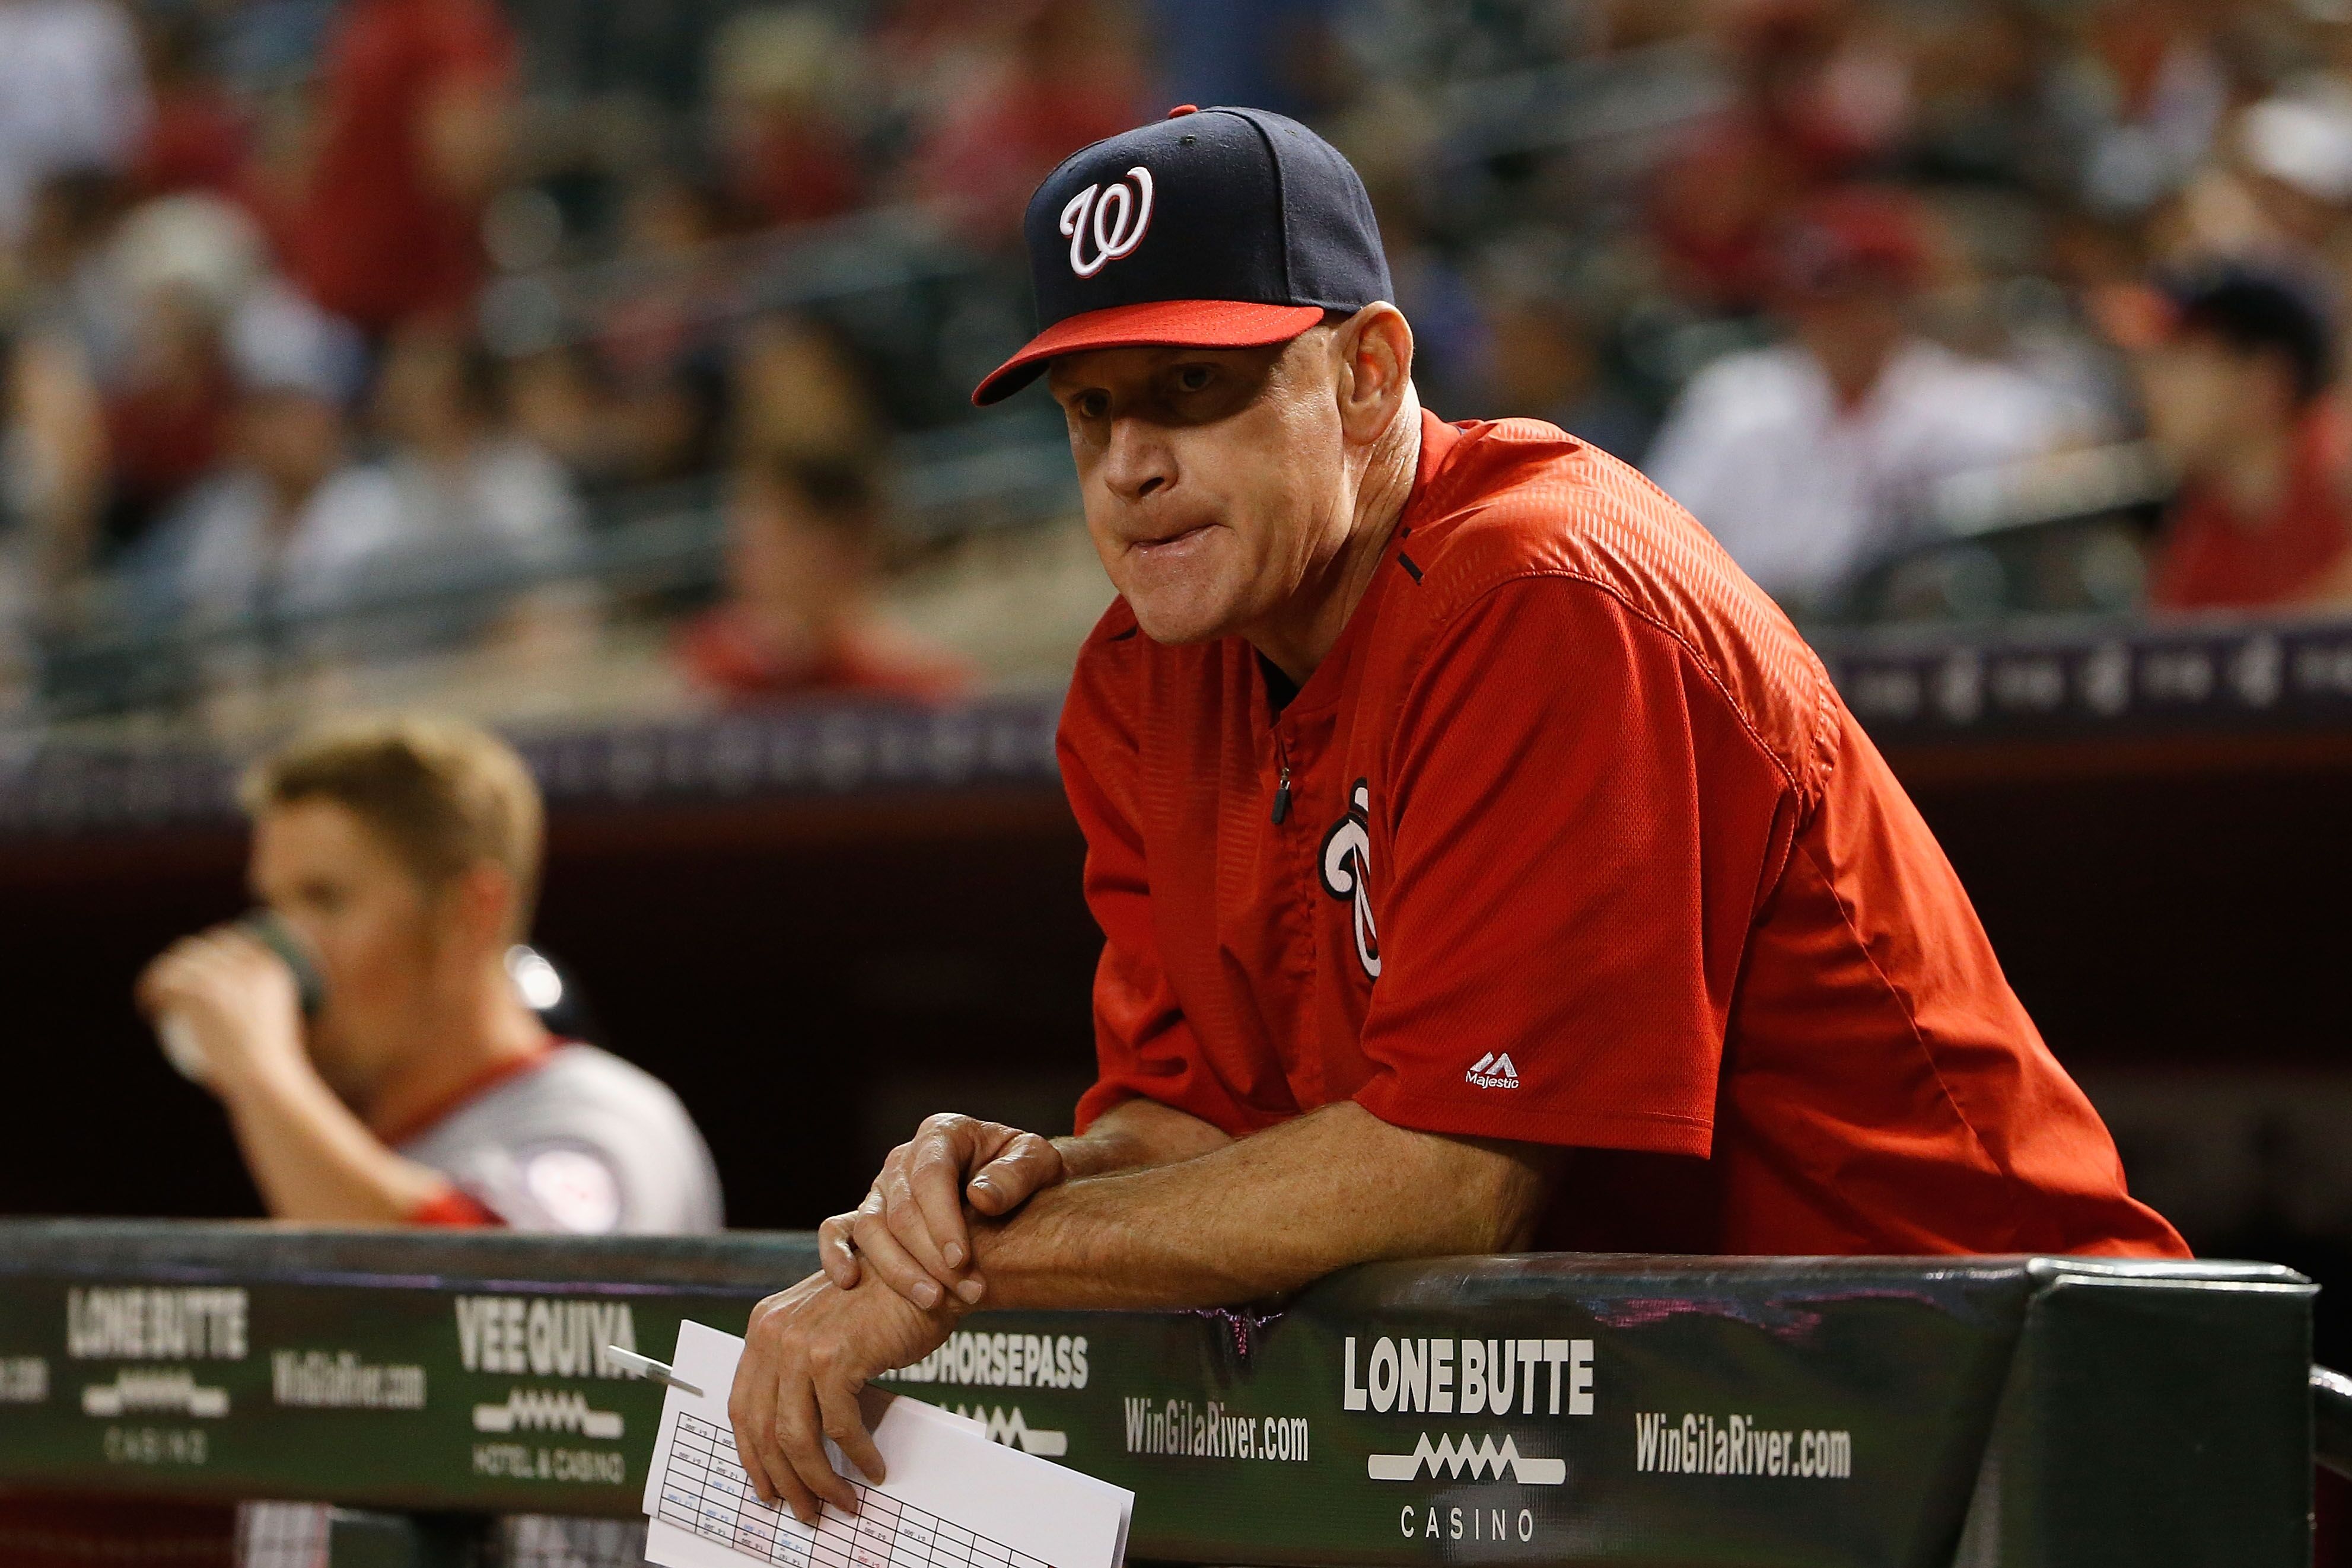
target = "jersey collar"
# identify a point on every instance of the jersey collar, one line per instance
(1438, 440)
(416, 1126)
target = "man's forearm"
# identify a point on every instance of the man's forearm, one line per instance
(1135, 1134)
(1263, 1214)
(314, 1160)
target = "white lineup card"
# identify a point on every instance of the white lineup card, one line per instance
(953, 1499)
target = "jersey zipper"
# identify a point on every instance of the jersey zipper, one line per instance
(1282, 785)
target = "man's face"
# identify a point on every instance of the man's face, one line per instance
(1851, 332)
(292, 438)
(2205, 401)
(1215, 479)
(786, 558)
(366, 919)
(420, 394)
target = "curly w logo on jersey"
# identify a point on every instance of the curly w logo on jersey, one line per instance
(1347, 871)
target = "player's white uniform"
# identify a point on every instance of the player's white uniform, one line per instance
(581, 1142)
(584, 1142)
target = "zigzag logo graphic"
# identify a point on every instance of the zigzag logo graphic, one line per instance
(161, 1393)
(529, 1410)
(1484, 1460)
(1016, 1432)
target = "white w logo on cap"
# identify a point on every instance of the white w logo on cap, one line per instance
(1108, 222)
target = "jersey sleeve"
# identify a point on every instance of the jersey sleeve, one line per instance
(583, 1186)
(1144, 1047)
(453, 1209)
(1579, 829)
(543, 1181)
(605, 1152)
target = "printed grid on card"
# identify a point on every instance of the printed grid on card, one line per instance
(705, 1491)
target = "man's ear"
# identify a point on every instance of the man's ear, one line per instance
(482, 904)
(1375, 347)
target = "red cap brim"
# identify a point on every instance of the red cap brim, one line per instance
(1170, 323)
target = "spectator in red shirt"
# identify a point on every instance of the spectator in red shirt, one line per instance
(168, 424)
(1067, 75)
(186, 264)
(2237, 373)
(198, 137)
(1816, 96)
(1482, 861)
(781, 116)
(413, 127)
(799, 615)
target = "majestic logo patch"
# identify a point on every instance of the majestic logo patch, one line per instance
(1347, 871)
(1113, 220)
(1493, 1070)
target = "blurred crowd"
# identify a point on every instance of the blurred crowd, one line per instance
(339, 328)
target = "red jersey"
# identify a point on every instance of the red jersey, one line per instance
(2213, 558)
(373, 239)
(1581, 849)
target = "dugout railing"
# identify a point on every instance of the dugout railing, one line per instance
(2026, 1412)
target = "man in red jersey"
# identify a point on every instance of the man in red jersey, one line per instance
(1483, 862)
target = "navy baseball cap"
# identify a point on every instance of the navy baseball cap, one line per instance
(1215, 228)
(2250, 305)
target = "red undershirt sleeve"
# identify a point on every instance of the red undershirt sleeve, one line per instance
(1575, 823)
(452, 1208)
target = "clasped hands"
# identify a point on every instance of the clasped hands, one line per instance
(897, 1272)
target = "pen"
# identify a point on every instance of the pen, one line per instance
(647, 1366)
